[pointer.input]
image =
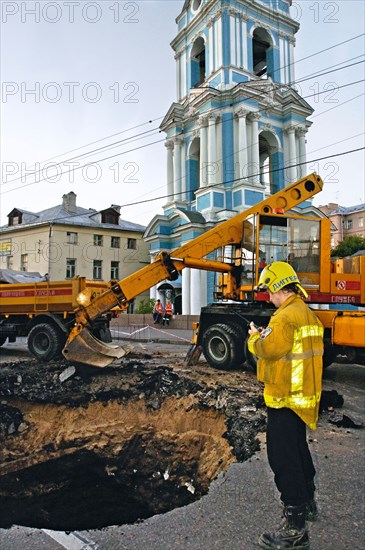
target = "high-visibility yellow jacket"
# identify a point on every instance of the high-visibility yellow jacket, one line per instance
(290, 359)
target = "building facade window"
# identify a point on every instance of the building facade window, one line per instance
(115, 242)
(97, 269)
(349, 224)
(98, 240)
(70, 268)
(132, 244)
(71, 237)
(24, 262)
(114, 270)
(361, 222)
(9, 262)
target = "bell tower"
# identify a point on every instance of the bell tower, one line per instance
(236, 131)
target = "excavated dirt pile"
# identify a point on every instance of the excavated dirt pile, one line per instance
(85, 448)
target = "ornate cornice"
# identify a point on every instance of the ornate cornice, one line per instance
(254, 116)
(169, 144)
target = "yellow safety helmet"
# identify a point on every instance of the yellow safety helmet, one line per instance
(276, 276)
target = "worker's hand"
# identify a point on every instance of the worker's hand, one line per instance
(253, 329)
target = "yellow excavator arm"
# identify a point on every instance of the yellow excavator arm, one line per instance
(83, 347)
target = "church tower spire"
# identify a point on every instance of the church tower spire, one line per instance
(236, 131)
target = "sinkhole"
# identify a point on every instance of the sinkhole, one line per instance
(114, 448)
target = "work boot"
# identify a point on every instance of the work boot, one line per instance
(312, 509)
(312, 513)
(293, 535)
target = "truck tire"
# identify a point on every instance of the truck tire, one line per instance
(45, 341)
(330, 352)
(223, 346)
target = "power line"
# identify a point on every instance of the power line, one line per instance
(250, 176)
(153, 143)
(158, 118)
(129, 140)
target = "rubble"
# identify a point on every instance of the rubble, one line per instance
(67, 373)
(110, 446)
(344, 421)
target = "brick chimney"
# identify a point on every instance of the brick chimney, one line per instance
(69, 202)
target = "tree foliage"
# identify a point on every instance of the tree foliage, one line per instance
(145, 306)
(349, 246)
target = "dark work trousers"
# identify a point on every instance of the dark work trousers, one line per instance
(289, 456)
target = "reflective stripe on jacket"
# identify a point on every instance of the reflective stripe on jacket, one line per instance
(169, 308)
(290, 359)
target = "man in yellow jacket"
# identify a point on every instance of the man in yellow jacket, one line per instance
(289, 355)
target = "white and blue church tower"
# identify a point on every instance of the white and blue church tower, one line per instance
(236, 131)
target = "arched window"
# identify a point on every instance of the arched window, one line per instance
(193, 167)
(197, 63)
(262, 53)
(268, 151)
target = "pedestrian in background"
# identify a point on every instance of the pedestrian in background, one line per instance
(289, 353)
(169, 311)
(157, 311)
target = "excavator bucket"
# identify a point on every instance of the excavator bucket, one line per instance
(193, 355)
(85, 348)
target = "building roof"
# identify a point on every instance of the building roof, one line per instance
(60, 215)
(346, 210)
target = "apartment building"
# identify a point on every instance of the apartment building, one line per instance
(67, 240)
(346, 220)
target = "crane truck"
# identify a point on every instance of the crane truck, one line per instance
(43, 312)
(269, 231)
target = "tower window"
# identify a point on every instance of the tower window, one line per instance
(261, 48)
(197, 63)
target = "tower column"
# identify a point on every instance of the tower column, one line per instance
(234, 37)
(203, 288)
(219, 38)
(185, 302)
(212, 150)
(203, 151)
(177, 168)
(302, 151)
(243, 44)
(195, 304)
(178, 75)
(183, 171)
(281, 36)
(255, 158)
(170, 169)
(211, 48)
(292, 170)
(242, 143)
(291, 45)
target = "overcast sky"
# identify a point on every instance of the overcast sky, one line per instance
(76, 72)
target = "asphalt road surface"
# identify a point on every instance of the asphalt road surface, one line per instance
(243, 502)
